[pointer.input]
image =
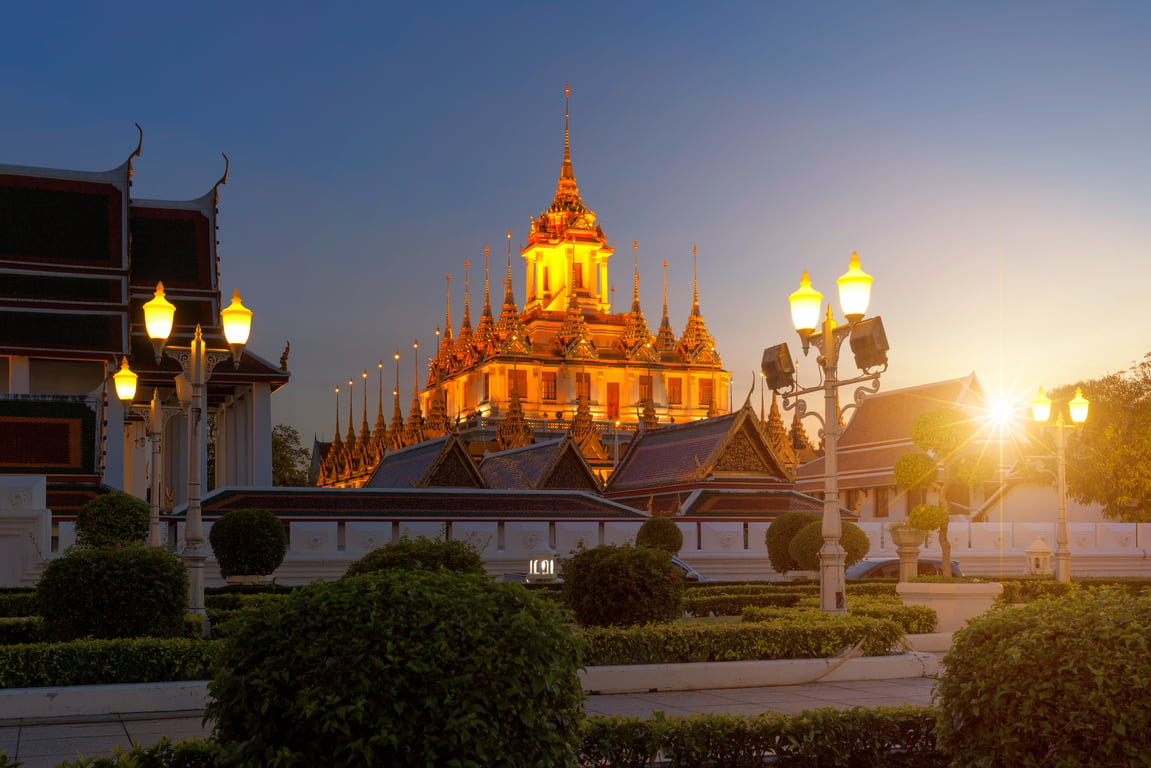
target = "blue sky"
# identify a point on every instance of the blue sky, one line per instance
(988, 161)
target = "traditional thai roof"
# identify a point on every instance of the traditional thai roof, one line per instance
(648, 418)
(463, 354)
(430, 503)
(732, 445)
(696, 345)
(585, 433)
(778, 435)
(880, 432)
(552, 464)
(414, 428)
(574, 339)
(443, 462)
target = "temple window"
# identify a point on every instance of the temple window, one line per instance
(583, 385)
(675, 390)
(518, 382)
(548, 385)
(645, 389)
(706, 391)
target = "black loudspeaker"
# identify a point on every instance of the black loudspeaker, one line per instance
(869, 344)
(778, 369)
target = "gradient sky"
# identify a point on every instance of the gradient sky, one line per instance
(989, 161)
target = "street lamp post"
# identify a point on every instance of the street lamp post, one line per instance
(197, 362)
(869, 345)
(1041, 412)
(155, 417)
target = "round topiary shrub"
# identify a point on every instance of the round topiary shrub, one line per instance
(660, 533)
(806, 544)
(248, 542)
(401, 668)
(108, 592)
(1059, 682)
(622, 586)
(421, 554)
(779, 535)
(111, 519)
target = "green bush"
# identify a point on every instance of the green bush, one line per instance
(18, 604)
(421, 554)
(779, 535)
(401, 668)
(1030, 590)
(1059, 682)
(128, 591)
(186, 753)
(16, 631)
(912, 619)
(111, 519)
(801, 635)
(622, 586)
(660, 533)
(805, 545)
(927, 517)
(248, 542)
(733, 605)
(106, 662)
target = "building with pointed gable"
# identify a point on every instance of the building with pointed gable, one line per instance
(79, 256)
(568, 361)
(547, 464)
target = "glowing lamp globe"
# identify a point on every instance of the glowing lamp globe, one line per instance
(854, 290)
(158, 315)
(805, 305)
(125, 381)
(1041, 406)
(237, 320)
(1078, 407)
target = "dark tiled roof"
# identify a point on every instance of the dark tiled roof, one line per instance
(520, 468)
(671, 454)
(410, 467)
(418, 502)
(762, 504)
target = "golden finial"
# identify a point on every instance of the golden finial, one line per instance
(635, 275)
(567, 143)
(694, 281)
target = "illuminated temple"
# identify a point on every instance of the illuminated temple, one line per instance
(567, 363)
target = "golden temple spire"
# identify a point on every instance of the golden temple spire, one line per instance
(636, 340)
(448, 311)
(365, 431)
(485, 333)
(466, 323)
(414, 429)
(336, 440)
(351, 438)
(379, 434)
(635, 275)
(509, 331)
(696, 345)
(566, 169)
(665, 339)
(396, 428)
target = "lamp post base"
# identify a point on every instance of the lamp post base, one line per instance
(832, 589)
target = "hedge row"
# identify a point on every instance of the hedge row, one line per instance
(896, 737)
(913, 619)
(802, 636)
(1030, 590)
(18, 604)
(102, 662)
(734, 604)
(16, 631)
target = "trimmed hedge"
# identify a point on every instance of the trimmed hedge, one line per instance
(803, 636)
(913, 619)
(421, 554)
(18, 604)
(661, 533)
(103, 662)
(248, 542)
(16, 631)
(890, 737)
(115, 518)
(733, 605)
(1030, 590)
(622, 586)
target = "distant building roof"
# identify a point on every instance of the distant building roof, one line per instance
(443, 462)
(552, 464)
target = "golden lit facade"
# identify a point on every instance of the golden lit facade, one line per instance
(568, 360)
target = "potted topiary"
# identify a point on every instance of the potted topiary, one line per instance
(249, 545)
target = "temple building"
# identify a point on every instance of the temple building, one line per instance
(79, 256)
(566, 362)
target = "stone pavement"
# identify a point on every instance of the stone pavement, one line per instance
(46, 743)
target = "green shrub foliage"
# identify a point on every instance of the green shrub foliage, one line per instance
(421, 554)
(107, 662)
(805, 545)
(1058, 682)
(779, 535)
(401, 668)
(128, 591)
(621, 586)
(660, 533)
(186, 753)
(248, 542)
(111, 519)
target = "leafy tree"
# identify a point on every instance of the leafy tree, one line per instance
(941, 463)
(1109, 456)
(290, 460)
(779, 535)
(805, 545)
(661, 533)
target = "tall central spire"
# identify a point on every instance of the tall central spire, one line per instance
(566, 170)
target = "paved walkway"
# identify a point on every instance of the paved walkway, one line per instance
(46, 743)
